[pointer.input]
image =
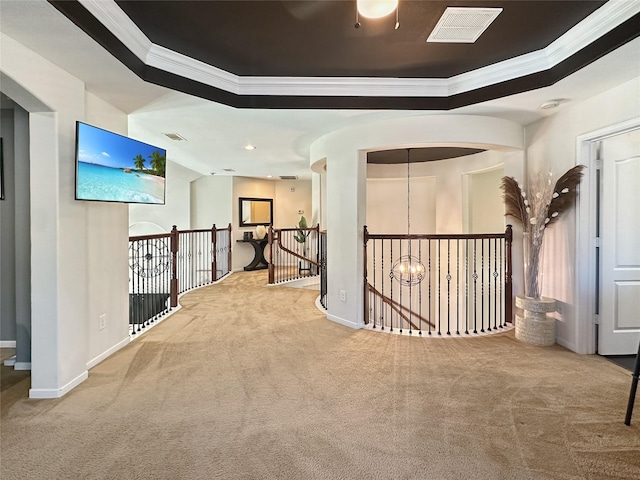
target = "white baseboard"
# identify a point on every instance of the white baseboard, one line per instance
(10, 362)
(58, 392)
(345, 322)
(95, 361)
(22, 366)
(7, 344)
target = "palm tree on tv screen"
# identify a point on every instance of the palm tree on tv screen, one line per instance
(158, 162)
(138, 161)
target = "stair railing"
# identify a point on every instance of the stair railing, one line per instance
(463, 287)
(163, 266)
(294, 253)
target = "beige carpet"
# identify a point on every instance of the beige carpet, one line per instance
(252, 382)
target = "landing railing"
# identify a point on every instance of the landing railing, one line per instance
(438, 284)
(163, 266)
(294, 253)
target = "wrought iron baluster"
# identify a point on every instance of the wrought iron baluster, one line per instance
(466, 287)
(482, 285)
(475, 287)
(439, 290)
(458, 287)
(448, 286)
(429, 290)
(420, 288)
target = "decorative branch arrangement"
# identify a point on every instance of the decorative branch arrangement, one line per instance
(537, 208)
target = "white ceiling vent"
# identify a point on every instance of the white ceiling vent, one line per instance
(463, 24)
(175, 136)
(288, 177)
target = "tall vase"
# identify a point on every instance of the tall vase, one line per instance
(531, 255)
(533, 325)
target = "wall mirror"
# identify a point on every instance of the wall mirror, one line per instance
(255, 211)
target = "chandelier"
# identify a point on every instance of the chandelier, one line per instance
(408, 270)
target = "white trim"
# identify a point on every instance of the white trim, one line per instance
(7, 344)
(23, 366)
(95, 361)
(10, 362)
(117, 22)
(585, 233)
(603, 20)
(345, 322)
(319, 305)
(58, 392)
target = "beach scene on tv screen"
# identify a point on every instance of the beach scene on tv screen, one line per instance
(115, 168)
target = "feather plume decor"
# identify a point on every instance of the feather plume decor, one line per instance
(538, 207)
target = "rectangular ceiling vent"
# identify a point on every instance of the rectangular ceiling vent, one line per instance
(228, 169)
(288, 177)
(463, 24)
(175, 136)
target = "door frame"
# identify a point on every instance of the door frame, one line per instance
(585, 266)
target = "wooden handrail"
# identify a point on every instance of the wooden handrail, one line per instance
(291, 252)
(399, 308)
(137, 238)
(432, 236)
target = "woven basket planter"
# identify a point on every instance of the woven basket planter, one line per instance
(533, 326)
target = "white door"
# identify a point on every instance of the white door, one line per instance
(619, 312)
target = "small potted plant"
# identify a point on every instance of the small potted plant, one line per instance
(301, 237)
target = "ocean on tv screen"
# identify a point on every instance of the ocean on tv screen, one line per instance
(98, 182)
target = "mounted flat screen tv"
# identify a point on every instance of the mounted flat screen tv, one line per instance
(115, 168)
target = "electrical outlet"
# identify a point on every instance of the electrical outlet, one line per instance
(343, 295)
(102, 322)
(300, 212)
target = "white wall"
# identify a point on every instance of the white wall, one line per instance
(106, 232)
(551, 145)
(291, 197)
(65, 276)
(485, 205)
(450, 203)
(211, 202)
(387, 205)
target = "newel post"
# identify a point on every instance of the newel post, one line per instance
(365, 301)
(271, 268)
(230, 268)
(174, 266)
(508, 285)
(317, 247)
(214, 253)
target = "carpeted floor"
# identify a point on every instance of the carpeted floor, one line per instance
(252, 382)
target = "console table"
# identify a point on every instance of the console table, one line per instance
(258, 262)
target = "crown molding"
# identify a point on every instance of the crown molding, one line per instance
(600, 22)
(119, 24)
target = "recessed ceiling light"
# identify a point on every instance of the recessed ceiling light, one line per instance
(269, 176)
(249, 147)
(551, 104)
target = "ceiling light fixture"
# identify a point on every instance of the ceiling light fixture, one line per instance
(376, 8)
(249, 147)
(408, 270)
(551, 104)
